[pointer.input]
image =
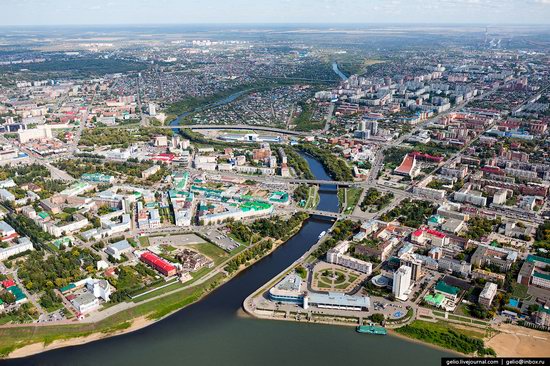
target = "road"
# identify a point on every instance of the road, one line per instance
(329, 116)
(237, 127)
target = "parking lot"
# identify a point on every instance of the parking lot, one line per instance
(220, 239)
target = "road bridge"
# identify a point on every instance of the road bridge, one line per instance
(239, 127)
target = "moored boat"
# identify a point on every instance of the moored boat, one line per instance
(371, 329)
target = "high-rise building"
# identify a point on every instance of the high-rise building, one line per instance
(373, 127)
(152, 109)
(402, 283)
(414, 263)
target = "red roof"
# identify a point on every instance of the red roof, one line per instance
(163, 157)
(436, 233)
(8, 283)
(9, 237)
(420, 155)
(157, 262)
(492, 169)
(407, 165)
(418, 232)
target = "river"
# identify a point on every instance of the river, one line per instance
(211, 331)
(228, 99)
(337, 70)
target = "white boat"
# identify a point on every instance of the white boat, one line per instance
(322, 234)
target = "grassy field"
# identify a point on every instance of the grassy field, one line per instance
(312, 198)
(174, 286)
(520, 291)
(144, 241)
(12, 338)
(467, 341)
(212, 251)
(352, 195)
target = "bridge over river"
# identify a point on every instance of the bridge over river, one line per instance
(238, 127)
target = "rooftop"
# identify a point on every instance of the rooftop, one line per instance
(436, 299)
(443, 287)
(534, 258)
(337, 299)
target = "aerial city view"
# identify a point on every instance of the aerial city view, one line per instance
(274, 182)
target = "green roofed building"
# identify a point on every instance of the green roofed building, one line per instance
(97, 178)
(538, 261)
(544, 276)
(434, 300)
(19, 295)
(541, 279)
(279, 197)
(65, 241)
(180, 180)
(244, 210)
(446, 290)
(435, 220)
(43, 215)
(67, 288)
(255, 205)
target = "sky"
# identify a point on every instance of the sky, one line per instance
(84, 12)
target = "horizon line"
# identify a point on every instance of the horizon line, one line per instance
(267, 24)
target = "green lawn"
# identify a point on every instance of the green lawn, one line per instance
(445, 335)
(53, 308)
(212, 251)
(312, 198)
(239, 249)
(171, 287)
(466, 319)
(519, 291)
(144, 241)
(353, 195)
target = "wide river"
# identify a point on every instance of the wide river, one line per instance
(211, 331)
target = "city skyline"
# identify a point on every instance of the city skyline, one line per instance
(122, 12)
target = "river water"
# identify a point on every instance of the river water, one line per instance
(337, 70)
(223, 101)
(210, 332)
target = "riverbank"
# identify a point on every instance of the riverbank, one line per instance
(337, 168)
(36, 348)
(441, 335)
(27, 340)
(36, 337)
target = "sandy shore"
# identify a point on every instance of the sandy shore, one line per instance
(515, 341)
(137, 323)
(35, 348)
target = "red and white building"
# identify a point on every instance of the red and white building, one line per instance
(423, 235)
(164, 267)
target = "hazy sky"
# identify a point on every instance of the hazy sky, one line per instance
(53, 12)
